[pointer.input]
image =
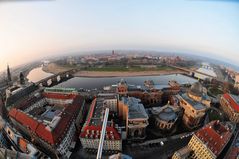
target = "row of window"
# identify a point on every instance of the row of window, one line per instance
(64, 146)
(36, 105)
(110, 145)
(200, 151)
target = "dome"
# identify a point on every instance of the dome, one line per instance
(167, 114)
(196, 89)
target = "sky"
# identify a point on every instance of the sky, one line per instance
(31, 30)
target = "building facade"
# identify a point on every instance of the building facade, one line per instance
(230, 105)
(147, 96)
(135, 116)
(195, 103)
(208, 142)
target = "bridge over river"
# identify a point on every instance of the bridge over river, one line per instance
(56, 78)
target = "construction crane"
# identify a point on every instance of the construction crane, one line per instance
(102, 135)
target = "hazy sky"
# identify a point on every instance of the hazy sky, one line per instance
(31, 30)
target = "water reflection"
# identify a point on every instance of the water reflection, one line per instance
(91, 83)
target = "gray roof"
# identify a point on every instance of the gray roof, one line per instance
(97, 114)
(136, 109)
(195, 104)
(165, 113)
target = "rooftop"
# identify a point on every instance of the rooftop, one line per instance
(166, 113)
(136, 109)
(215, 135)
(94, 121)
(48, 122)
(195, 104)
(233, 101)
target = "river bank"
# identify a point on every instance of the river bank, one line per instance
(54, 69)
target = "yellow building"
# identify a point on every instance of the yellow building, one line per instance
(194, 102)
(230, 105)
(207, 143)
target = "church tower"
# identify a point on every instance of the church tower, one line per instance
(9, 78)
(22, 79)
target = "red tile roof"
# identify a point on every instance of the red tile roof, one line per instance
(215, 136)
(32, 124)
(92, 128)
(234, 105)
(57, 134)
(59, 95)
(92, 107)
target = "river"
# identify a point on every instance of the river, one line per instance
(92, 83)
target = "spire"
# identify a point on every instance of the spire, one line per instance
(9, 78)
(22, 80)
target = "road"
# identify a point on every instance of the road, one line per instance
(153, 151)
(149, 151)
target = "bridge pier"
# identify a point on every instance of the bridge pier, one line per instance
(56, 79)
(44, 84)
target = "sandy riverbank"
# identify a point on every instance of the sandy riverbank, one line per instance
(53, 68)
(123, 74)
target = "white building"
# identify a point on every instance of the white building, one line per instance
(206, 69)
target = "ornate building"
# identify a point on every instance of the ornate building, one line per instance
(208, 142)
(133, 113)
(165, 117)
(230, 105)
(199, 93)
(194, 103)
(147, 96)
(122, 88)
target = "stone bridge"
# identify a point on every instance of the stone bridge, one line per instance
(56, 78)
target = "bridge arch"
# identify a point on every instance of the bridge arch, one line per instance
(55, 79)
(58, 78)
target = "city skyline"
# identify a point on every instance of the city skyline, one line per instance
(33, 30)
